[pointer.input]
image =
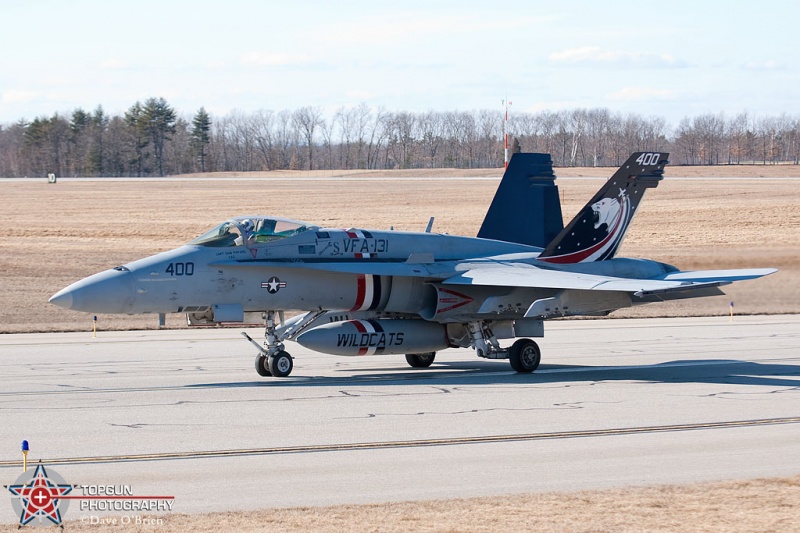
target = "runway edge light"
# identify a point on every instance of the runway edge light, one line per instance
(25, 449)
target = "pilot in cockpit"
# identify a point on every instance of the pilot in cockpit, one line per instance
(247, 232)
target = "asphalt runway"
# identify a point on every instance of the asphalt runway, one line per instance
(614, 403)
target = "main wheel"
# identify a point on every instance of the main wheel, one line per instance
(420, 360)
(281, 364)
(524, 356)
(262, 366)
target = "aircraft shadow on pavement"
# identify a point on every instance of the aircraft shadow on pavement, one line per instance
(712, 371)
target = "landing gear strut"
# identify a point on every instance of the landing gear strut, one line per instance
(484, 341)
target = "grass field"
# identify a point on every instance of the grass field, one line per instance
(53, 235)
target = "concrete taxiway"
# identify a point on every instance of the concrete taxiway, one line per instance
(614, 403)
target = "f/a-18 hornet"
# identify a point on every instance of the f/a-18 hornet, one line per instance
(368, 292)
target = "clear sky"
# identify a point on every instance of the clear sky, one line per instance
(671, 59)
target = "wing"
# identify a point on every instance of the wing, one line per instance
(581, 293)
(508, 275)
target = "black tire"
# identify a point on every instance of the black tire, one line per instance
(420, 360)
(524, 356)
(262, 366)
(281, 364)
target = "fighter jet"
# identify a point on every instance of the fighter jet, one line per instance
(370, 292)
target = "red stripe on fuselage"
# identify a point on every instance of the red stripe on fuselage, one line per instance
(361, 329)
(361, 292)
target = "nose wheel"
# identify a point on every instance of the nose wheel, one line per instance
(280, 365)
(262, 366)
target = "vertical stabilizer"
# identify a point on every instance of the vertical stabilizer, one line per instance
(598, 229)
(526, 208)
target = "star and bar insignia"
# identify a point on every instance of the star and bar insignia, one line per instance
(273, 285)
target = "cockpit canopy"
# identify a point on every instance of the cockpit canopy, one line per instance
(251, 231)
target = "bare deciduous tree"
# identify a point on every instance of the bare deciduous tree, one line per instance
(307, 120)
(149, 139)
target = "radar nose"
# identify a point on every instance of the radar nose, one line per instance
(62, 298)
(107, 292)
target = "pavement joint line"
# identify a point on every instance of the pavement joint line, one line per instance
(452, 441)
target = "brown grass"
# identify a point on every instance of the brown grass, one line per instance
(750, 171)
(52, 235)
(757, 505)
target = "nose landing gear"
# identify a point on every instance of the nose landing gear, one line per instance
(272, 359)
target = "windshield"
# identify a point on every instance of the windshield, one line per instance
(249, 231)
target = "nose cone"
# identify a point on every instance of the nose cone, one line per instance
(107, 292)
(62, 298)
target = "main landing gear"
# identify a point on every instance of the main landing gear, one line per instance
(272, 359)
(524, 355)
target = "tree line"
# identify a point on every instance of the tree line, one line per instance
(151, 139)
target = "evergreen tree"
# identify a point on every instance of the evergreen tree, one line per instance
(96, 154)
(201, 136)
(77, 156)
(137, 135)
(34, 143)
(158, 121)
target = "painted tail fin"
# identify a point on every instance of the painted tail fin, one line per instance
(526, 208)
(598, 229)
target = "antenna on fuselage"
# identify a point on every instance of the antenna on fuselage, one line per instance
(430, 225)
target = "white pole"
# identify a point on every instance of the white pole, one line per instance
(506, 103)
